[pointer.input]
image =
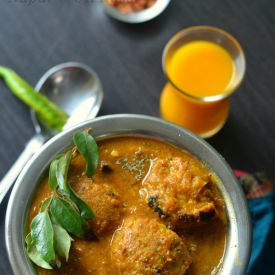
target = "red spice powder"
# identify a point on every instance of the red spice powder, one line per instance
(128, 6)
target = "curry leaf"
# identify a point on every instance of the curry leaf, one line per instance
(57, 264)
(52, 175)
(34, 255)
(42, 235)
(65, 214)
(87, 147)
(59, 170)
(66, 197)
(83, 207)
(61, 181)
(85, 210)
(62, 241)
(64, 164)
(28, 241)
(45, 204)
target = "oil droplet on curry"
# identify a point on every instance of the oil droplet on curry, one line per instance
(157, 211)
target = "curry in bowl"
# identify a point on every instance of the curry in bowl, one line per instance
(156, 210)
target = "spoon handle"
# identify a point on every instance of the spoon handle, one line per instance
(32, 146)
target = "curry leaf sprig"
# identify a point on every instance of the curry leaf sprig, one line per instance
(48, 112)
(87, 147)
(63, 213)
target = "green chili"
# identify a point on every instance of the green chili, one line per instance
(48, 112)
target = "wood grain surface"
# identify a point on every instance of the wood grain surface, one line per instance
(38, 34)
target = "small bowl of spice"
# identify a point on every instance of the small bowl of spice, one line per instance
(135, 11)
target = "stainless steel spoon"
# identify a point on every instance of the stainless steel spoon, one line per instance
(77, 90)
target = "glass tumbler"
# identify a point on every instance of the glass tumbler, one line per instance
(202, 111)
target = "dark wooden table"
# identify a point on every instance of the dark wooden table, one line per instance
(37, 34)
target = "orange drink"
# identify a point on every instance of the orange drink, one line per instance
(201, 118)
(202, 68)
(204, 65)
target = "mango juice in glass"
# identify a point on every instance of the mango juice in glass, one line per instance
(204, 65)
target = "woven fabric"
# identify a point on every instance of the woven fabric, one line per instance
(259, 192)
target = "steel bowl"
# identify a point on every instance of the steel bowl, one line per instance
(238, 244)
(137, 17)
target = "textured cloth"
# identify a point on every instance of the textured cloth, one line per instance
(259, 192)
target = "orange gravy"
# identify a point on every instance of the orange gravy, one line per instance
(206, 243)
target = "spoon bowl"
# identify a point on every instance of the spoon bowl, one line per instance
(76, 89)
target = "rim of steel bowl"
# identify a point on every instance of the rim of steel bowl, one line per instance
(238, 247)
